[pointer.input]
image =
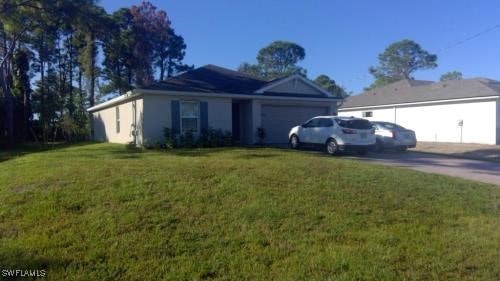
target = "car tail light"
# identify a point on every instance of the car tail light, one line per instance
(348, 131)
(393, 134)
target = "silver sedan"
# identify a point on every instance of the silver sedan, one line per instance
(390, 135)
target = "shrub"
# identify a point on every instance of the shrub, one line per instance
(207, 138)
(169, 138)
(187, 139)
(228, 138)
(261, 134)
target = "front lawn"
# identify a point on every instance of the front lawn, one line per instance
(101, 212)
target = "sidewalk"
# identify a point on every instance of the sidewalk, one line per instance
(462, 150)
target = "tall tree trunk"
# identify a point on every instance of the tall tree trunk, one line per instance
(80, 86)
(162, 68)
(91, 67)
(91, 76)
(26, 114)
(129, 75)
(62, 77)
(170, 70)
(9, 104)
(6, 89)
(49, 98)
(71, 101)
(43, 116)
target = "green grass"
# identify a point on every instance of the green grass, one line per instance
(101, 212)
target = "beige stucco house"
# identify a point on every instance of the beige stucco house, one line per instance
(212, 97)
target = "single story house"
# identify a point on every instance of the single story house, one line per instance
(465, 110)
(212, 97)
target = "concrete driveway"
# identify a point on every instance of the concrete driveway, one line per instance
(483, 171)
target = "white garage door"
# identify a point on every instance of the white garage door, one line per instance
(278, 120)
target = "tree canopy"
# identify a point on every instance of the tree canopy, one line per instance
(452, 75)
(399, 61)
(276, 60)
(328, 84)
(51, 69)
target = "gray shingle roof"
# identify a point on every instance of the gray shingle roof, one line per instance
(408, 91)
(216, 79)
(210, 79)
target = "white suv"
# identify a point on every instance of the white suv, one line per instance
(335, 134)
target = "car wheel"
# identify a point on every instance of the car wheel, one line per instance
(402, 149)
(332, 147)
(294, 142)
(362, 152)
(379, 146)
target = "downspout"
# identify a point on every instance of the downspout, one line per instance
(134, 122)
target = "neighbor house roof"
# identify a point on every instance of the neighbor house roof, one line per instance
(411, 91)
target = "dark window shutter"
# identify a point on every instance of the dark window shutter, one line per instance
(204, 116)
(176, 117)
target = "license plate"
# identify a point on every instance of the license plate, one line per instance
(363, 135)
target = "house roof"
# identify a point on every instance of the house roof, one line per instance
(216, 79)
(410, 91)
(210, 79)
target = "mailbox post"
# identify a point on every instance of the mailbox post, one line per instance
(460, 124)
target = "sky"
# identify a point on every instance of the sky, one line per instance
(342, 38)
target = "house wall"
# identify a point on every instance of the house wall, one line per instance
(104, 123)
(498, 121)
(439, 122)
(298, 87)
(157, 114)
(153, 114)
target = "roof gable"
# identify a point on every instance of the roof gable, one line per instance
(294, 84)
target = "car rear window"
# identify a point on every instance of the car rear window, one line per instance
(391, 126)
(360, 124)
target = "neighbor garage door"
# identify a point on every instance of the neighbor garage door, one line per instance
(278, 120)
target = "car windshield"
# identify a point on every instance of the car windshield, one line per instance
(391, 126)
(354, 123)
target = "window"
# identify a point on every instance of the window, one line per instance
(325, 122)
(117, 110)
(190, 115)
(391, 126)
(354, 123)
(312, 123)
(367, 113)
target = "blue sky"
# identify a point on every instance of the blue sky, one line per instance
(341, 38)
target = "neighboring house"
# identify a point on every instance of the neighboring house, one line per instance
(212, 97)
(451, 111)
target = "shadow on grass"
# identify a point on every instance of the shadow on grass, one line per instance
(28, 148)
(200, 152)
(262, 156)
(18, 260)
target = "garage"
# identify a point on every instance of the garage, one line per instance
(277, 120)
